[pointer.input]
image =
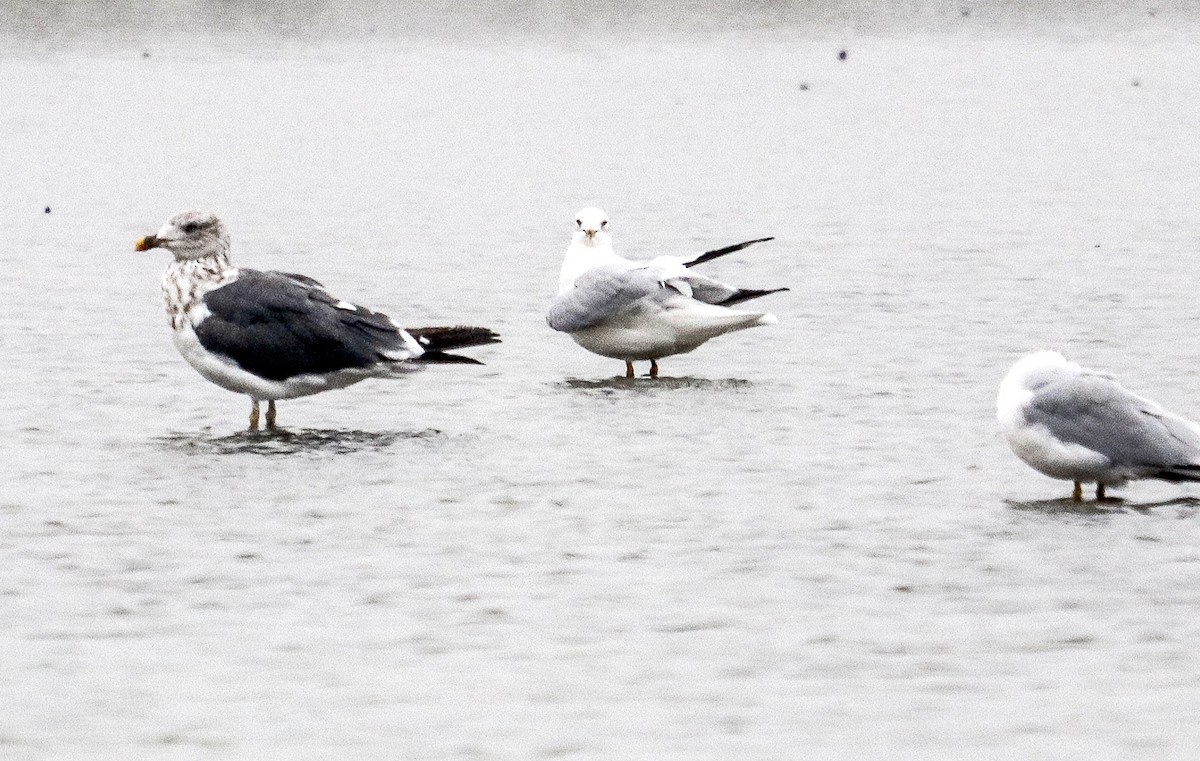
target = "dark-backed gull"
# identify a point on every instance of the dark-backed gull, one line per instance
(634, 310)
(278, 335)
(1080, 425)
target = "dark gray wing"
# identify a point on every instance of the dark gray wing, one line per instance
(1094, 411)
(599, 294)
(279, 325)
(715, 292)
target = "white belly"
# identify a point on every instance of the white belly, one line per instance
(650, 330)
(1040, 450)
(229, 376)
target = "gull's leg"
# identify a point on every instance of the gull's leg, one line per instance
(654, 368)
(1077, 495)
(1099, 491)
(270, 413)
(254, 416)
(628, 369)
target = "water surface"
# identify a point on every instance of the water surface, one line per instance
(807, 541)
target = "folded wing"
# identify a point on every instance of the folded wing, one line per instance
(1096, 412)
(279, 325)
(598, 295)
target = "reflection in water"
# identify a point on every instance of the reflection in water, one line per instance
(622, 384)
(1107, 506)
(1069, 507)
(284, 442)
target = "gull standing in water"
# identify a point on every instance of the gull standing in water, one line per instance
(1080, 425)
(278, 335)
(634, 310)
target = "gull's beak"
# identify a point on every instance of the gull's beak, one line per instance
(590, 233)
(147, 243)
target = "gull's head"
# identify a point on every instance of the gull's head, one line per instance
(591, 227)
(190, 235)
(1029, 374)
(1035, 370)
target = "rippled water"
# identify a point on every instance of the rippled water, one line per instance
(808, 542)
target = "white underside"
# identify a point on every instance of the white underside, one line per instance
(228, 375)
(1071, 462)
(649, 330)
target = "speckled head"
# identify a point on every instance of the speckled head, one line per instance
(190, 235)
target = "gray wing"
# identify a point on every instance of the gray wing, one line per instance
(715, 292)
(601, 293)
(1094, 411)
(708, 290)
(279, 325)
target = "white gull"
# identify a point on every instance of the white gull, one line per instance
(643, 310)
(1080, 425)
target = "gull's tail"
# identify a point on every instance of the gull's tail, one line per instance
(1179, 473)
(708, 256)
(436, 342)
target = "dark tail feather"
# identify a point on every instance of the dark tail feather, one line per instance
(457, 337)
(708, 256)
(444, 358)
(745, 294)
(1180, 473)
(435, 342)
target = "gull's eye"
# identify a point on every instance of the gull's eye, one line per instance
(190, 227)
(604, 223)
(579, 223)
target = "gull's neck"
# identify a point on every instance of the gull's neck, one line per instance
(581, 257)
(186, 281)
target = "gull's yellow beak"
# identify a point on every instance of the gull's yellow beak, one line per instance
(145, 244)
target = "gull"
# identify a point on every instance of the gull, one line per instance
(639, 310)
(279, 335)
(1080, 425)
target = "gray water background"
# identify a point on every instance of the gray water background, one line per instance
(808, 542)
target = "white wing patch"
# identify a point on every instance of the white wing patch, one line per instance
(198, 313)
(680, 285)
